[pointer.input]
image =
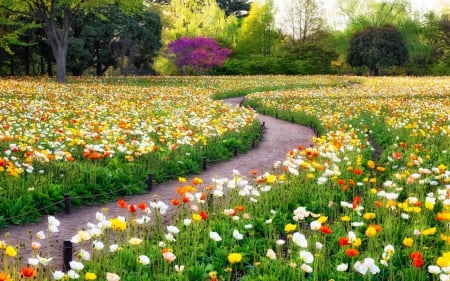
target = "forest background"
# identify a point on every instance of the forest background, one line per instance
(117, 37)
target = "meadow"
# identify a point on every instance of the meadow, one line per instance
(368, 201)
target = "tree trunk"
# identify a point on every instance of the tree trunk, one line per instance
(58, 39)
(42, 66)
(26, 59)
(60, 57)
(12, 66)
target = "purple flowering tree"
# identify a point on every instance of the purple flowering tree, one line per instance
(196, 55)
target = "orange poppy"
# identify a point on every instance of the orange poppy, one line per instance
(326, 229)
(181, 190)
(3, 276)
(351, 252)
(377, 227)
(197, 181)
(239, 208)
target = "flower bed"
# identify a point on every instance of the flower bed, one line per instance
(332, 211)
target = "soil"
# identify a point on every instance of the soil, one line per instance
(279, 137)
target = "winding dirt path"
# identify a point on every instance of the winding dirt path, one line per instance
(279, 137)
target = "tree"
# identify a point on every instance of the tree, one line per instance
(377, 47)
(238, 8)
(257, 35)
(127, 41)
(198, 55)
(313, 56)
(362, 14)
(56, 17)
(443, 66)
(193, 18)
(302, 19)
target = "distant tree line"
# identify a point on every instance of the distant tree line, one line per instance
(132, 37)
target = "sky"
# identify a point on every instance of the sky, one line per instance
(421, 6)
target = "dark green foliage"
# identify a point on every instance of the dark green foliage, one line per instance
(108, 37)
(312, 56)
(377, 47)
(235, 7)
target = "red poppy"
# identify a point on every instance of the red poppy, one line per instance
(378, 203)
(300, 147)
(122, 204)
(28, 272)
(185, 199)
(132, 208)
(203, 215)
(417, 259)
(351, 182)
(418, 263)
(341, 182)
(356, 201)
(351, 252)
(326, 229)
(357, 172)
(403, 144)
(254, 172)
(343, 241)
(416, 255)
(396, 155)
(142, 206)
(175, 202)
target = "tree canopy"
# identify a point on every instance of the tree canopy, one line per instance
(131, 36)
(57, 16)
(377, 47)
(196, 55)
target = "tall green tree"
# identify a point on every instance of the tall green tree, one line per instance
(302, 19)
(57, 16)
(443, 65)
(126, 41)
(377, 47)
(257, 34)
(193, 18)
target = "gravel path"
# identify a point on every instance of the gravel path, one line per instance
(279, 137)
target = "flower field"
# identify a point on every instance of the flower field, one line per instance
(369, 201)
(97, 139)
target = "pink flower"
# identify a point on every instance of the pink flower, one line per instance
(169, 256)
